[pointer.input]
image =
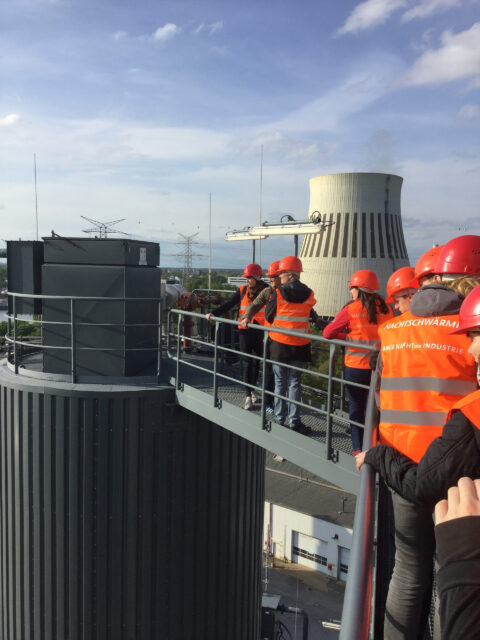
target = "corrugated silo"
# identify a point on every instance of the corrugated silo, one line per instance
(366, 233)
(123, 516)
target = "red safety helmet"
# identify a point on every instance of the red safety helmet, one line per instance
(273, 269)
(364, 279)
(469, 316)
(252, 271)
(426, 263)
(460, 256)
(400, 280)
(290, 263)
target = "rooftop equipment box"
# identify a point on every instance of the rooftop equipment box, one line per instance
(113, 351)
(111, 251)
(24, 273)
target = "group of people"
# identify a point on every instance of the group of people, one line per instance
(287, 304)
(427, 358)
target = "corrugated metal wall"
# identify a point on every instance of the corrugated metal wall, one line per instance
(124, 516)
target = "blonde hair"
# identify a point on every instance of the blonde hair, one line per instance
(464, 284)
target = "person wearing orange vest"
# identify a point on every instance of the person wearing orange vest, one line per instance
(451, 456)
(358, 322)
(289, 308)
(401, 288)
(456, 451)
(250, 340)
(424, 371)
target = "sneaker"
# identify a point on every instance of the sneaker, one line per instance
(278, 458)
(255, 398)
(248, 406)
(269, 411)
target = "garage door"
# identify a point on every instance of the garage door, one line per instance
(311, 552)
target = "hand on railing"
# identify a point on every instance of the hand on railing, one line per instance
(243, 323)
(360, 459)
(208, 315)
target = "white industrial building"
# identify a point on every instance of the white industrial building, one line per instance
(307, 521)
(362, 211)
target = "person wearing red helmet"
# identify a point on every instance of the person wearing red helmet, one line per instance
(401, 287)
(289, 307)
(423, 371)
(425, 266)
(358, 321)
(449, 457)
(258, 304)
(250, 341)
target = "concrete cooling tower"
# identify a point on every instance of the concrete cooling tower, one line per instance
(366, 233)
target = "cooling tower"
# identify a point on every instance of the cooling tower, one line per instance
(366, 233)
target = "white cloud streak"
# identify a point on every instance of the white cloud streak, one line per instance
(167, 32)
(10, 120)
(470, 112)
(370, 14)
(456, 59)
(426, 8)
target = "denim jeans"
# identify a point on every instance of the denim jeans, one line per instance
(287, 383)
(410, 590)
(357, 401)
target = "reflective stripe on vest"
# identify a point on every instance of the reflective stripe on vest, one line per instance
(362, 331)
(425, 371)
(244, 304)
(298, 322)
(441, 385)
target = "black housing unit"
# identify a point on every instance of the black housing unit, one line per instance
(106, 251)
(24, 273)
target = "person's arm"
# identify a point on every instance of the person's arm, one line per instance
(339, 327)
(271, 308)
(448, 458)
(457, 534)
(226, 306)
(259, 302)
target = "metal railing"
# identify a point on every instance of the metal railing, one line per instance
(19, 348)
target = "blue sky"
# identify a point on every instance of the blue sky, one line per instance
(140, 110)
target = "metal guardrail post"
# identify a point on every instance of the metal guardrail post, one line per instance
(216, 401)
(72, 340)
(15, 358)
(159, 341)
(265, 423)
(328, 434)
(356, 619)
(178, 383)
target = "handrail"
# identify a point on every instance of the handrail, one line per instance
(263, 393)
(359, 593)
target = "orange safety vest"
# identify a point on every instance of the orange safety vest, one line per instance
(425, 371)
(363, 331)
(245, 302)
(470, 406)
(294, 316)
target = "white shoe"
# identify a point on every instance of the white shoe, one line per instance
(278, 458)
(248, 406)
(255, 399)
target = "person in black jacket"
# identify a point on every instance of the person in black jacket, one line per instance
(456, 453)
(457, 533)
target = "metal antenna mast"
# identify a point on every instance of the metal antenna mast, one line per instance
(103, 228)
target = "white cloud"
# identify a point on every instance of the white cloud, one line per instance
(470, 111)
(199, 29)
(457, 58)
(214, 27)
(473, 84)
(426, 8)
(168, 31)
(119, 35)
(370, 14)
(9, 120)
